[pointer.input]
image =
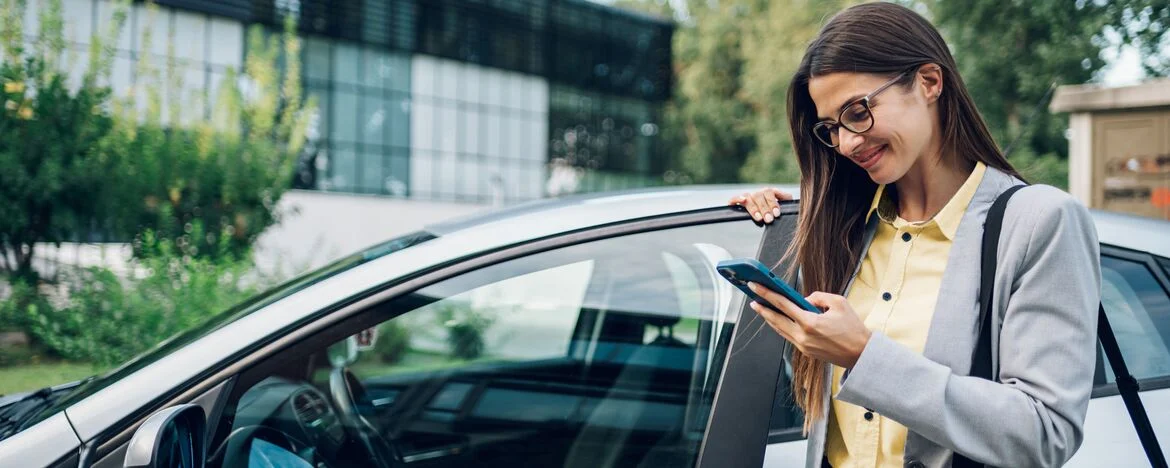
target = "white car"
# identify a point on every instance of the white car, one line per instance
(583, 332)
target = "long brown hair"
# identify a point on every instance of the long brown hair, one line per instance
(879, 38)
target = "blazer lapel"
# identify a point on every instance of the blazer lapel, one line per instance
(953, 328)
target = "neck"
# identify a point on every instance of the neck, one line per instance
(928, 186)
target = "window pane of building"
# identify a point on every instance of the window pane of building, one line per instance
(344, 116)
(347, 63)
(342, 170)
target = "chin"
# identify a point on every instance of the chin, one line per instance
(882, 175)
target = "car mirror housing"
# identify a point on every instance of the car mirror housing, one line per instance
(172, 437)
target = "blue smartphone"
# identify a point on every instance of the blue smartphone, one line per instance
(739, 271)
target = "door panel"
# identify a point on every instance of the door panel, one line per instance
(754, 375)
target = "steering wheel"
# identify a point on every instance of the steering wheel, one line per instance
(349, 396)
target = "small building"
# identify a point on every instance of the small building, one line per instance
(1119, 146)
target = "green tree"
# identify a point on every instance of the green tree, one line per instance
(74, 157)
(1144, 24)
(733, 60)
(775, 43)
(54, 151)
(727, 120)
(1011, 56)
(225, 173)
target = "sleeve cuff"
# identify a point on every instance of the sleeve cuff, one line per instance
(864, 384)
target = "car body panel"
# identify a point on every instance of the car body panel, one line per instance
(1110, 438)
(40, 445)
(1133, 232)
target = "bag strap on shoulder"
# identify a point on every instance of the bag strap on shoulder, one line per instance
(981, 367)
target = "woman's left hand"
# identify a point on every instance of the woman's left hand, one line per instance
(837, 335)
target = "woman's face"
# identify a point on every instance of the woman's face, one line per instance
(905, 120)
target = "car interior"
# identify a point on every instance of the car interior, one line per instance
(632, 388)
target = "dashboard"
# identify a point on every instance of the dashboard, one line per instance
(294, 416)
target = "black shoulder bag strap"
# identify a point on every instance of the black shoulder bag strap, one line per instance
(1127, 385)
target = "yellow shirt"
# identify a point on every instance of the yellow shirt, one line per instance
(894, 293)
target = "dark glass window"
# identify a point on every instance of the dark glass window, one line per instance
(612, 140)
(360, 136)
(605, 353)
(1139, 312)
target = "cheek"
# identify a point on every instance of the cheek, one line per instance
(905, 132)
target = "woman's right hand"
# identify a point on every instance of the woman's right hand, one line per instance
(764, 205)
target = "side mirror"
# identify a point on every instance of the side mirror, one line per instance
(173, 437)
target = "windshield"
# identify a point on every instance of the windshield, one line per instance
(93, 385)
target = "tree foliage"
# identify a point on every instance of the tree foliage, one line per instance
(1011, 56)
(55, 150)
(733, 60)
(76, 159)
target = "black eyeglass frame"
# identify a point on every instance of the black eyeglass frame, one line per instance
(834, 127)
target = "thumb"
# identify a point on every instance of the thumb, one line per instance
(823, 301)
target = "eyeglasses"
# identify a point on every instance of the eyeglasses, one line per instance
(855, 117)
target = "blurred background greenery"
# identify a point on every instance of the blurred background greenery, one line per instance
(733, 60)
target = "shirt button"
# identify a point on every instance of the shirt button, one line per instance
(915, 464)
(906, 236)
(869, 416)
(887, 296)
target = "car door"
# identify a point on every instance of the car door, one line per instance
(617, 346)
(1136, 296)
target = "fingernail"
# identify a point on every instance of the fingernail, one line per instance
(768, 218)
(756, 215)
(776, 212)
(751, 285)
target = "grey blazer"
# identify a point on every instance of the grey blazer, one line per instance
(1048, 286)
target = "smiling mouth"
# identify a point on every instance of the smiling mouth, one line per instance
(868, 156)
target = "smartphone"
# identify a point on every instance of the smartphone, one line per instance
(739, 271)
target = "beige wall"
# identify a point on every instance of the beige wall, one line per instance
(1131, 167)
(1119, 148)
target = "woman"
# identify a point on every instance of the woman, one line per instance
(898, 172)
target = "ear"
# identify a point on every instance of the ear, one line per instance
(930, 77)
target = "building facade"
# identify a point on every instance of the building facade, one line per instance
(1119, 146)
(432, 108)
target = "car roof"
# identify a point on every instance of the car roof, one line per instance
(1133, 232)
(674, 199)
(580, 211)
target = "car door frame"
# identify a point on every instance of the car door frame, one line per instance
(219, 382)
(749, 386)
(1160, 276)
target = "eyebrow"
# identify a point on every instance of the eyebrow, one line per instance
(845, 105)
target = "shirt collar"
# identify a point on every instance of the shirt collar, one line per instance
(947, 219)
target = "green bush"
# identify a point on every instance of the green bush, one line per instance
(393, 341)
(466, 326)
(108, 319)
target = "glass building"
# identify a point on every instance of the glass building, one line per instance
(481, 101)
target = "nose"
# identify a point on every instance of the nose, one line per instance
(847, 141)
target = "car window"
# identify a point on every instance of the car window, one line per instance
(1138, 308)
(597, 354)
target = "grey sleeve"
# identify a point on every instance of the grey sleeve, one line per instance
(1033, 415)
